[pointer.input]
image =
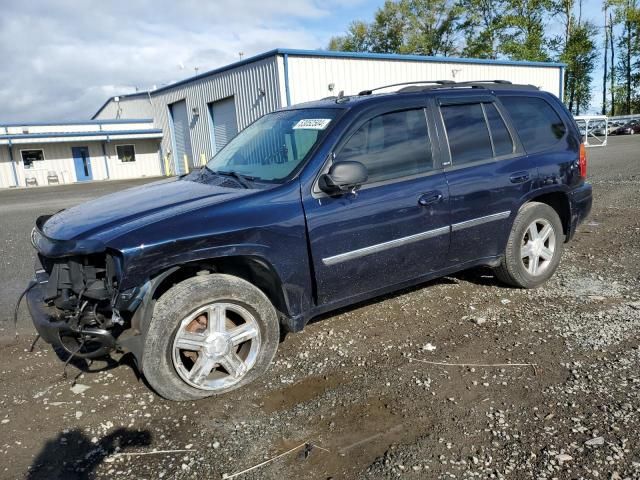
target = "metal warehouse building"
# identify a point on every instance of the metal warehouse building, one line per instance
(37, 154)
(199, 115)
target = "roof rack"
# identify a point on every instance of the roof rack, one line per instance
(437, 82)
(487, 84)
(420, 85)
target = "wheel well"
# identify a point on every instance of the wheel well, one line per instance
(559, 201)
(252, 269)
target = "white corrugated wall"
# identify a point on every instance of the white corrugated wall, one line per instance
(127, 107)
(58, 158)
(6, 170)
(309, 77)
(244, 83)
(147, 162)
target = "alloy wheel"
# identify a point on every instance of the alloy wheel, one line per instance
(215, 346)
(538, 246)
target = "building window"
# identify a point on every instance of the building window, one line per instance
(126, 153)
(30, 156)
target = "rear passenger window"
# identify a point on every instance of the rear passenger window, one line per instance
(502, 142)
(537, 123)
(391, 145)
(467, 132)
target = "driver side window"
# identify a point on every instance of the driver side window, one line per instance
(391, 146)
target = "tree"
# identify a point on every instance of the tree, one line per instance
(356, 39)
(388, 30)
(613, 68)
(432, 26)
(628, 15)
(523, 37)
(577, 49)
(424, 27)
(606, 59)
(482, 25)
(580, 56)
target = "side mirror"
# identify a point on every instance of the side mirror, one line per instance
(343, 177)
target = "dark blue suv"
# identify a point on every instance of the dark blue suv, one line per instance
(309, 209)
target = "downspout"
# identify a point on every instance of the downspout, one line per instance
(13, 164)
(286, 79)
(106, 161)
(561, 86)
(163, 169)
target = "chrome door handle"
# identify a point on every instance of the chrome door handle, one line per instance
(519, 177)
(430, 198)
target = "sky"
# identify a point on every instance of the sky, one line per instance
(60, 60)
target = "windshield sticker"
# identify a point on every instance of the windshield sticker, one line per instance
(312, 124)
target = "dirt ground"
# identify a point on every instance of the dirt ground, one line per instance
(354, 386)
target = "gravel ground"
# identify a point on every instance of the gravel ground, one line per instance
(354, 386)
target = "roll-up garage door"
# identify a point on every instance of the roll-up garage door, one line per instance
(181, 135)
(223, 121)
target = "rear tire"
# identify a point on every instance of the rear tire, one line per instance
(209, 335)
(534, 247)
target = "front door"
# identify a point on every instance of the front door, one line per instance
(396, 227)
(82, 163)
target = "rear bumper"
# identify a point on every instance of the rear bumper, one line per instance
(580, 200)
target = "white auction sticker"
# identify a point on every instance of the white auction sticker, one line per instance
(312, 123)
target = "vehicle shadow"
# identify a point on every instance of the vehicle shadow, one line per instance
(482, 276)
(73, 456)
(102, 364)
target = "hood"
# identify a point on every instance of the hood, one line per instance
(112, 215)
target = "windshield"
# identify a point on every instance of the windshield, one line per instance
(272, 147)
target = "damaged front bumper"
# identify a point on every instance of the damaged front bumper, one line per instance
(60, 333)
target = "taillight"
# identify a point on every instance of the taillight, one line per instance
(582, 162)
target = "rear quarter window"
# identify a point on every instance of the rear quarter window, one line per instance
(538, 125)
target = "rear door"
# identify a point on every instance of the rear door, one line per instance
(488, 174)
(396, 227)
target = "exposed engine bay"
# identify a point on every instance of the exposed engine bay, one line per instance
(81, 292)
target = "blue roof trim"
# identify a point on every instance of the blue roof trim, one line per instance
(231, 66)
(103, 133)
(419, 58)
(81, 122)
(332, 54)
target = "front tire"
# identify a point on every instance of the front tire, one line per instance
(209, 335)
(534, 247)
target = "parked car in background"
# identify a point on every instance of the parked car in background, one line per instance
(600, 129)
(311, 208)
(630, 128)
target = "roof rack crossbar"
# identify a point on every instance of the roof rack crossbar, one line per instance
(420, 85)
(502, 82)
(482, 84)
(436, 82)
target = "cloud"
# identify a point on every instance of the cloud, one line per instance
(61, 60)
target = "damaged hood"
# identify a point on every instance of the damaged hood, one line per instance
(115, 214)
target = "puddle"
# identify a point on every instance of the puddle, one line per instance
(300, 392)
